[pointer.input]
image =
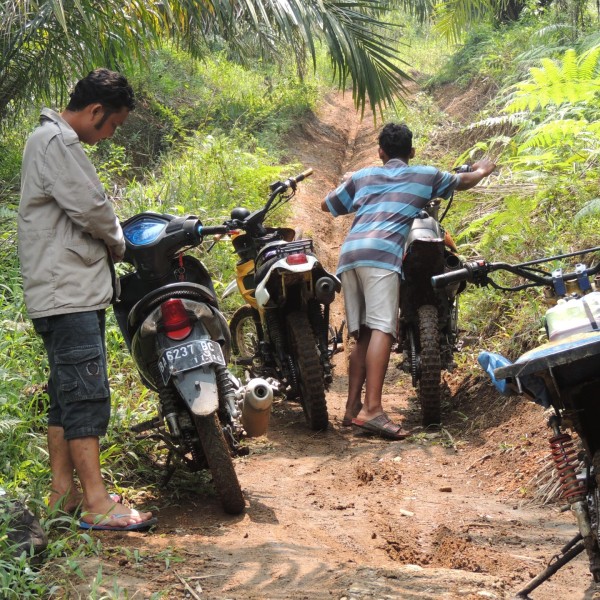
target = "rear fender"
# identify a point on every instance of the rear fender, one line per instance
(148, 343)
(425, 228)
(282, 269)
(199, 390)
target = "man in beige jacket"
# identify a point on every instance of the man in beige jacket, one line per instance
(68, 237)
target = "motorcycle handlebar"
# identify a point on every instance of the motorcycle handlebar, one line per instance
(456, 276)
(290, 182)
(478, 271)
(303, 175)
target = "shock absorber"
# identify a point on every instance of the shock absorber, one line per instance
(574, 490)
(565, 459)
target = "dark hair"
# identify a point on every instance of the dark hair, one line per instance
(108, 88)
(396, 140)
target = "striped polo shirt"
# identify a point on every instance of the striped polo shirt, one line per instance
(386, 199)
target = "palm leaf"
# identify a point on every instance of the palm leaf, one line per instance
(45, 45)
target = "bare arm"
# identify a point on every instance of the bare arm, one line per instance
(480, 170)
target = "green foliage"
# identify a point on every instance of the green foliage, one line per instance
(572, 80)
(45, 46)
(500, 228)
(560, 106)
(218, 93)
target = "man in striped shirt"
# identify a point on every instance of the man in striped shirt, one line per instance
(385, 201)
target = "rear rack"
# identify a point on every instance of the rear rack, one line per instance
(283, 250)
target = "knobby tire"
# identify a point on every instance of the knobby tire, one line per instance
(310, 372)
(220, 464)
(429, 391)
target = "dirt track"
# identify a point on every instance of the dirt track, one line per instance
(339, 515)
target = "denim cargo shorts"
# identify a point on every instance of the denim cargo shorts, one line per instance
(78, 383)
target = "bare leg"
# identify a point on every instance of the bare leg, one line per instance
(376, 361)
(357, 373)
(98, 506)
(64, 494)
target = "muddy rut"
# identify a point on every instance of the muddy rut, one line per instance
(342, 515)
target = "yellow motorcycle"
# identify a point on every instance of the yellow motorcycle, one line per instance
(282, 333)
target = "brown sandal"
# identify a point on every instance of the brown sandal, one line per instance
(383, 426)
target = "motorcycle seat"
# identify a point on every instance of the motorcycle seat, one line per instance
(575, 348)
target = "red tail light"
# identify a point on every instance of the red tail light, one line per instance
(296, 259)
(176, 322)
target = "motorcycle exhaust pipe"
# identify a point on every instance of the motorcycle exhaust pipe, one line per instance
(325, 290)
(256, 408)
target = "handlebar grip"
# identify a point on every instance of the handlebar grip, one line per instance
(212, 230)
(440, 281)
(303, 175)
(464, 169)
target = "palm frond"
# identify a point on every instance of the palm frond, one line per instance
(453, 17)
(45, 45)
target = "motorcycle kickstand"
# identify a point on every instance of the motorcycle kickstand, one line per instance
(567, 553)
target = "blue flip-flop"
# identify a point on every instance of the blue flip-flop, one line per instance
(142, 526)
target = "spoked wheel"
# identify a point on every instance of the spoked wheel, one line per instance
(220, 463)
(310, 372)
(244, 333)
(429, 388)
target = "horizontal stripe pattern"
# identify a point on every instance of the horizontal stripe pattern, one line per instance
(385, 199)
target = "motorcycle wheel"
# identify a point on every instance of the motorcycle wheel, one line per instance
(310, 372)
(244, 336)
(430, 366)
(220, 464)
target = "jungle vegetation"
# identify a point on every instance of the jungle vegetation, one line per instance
(219, 79)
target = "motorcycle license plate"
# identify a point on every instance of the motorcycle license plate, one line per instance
(192, 355)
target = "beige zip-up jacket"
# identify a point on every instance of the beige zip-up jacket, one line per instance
(66, 225)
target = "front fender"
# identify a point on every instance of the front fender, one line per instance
(230, 289)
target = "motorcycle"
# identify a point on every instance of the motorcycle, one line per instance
(180, 343)
(428, 318)
(282, 333)
(562, 375)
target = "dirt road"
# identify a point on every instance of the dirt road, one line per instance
(338, 515)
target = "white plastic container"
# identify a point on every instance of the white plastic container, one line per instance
(570, 316)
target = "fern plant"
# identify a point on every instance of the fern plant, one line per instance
(572, 80)
(558, 109)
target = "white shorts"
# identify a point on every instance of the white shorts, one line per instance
(371, 298)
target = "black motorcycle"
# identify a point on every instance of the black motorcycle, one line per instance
(180, 342)
(562, 375)
(428, 318)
